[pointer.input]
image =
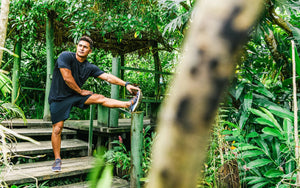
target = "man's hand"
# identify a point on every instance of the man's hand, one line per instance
(132, 88)
(85, 92)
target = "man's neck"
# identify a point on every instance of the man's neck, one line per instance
(80, 59)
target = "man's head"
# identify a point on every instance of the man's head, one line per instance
(87, 39)
(84, 46)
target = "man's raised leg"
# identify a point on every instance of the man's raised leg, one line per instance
(113, 103)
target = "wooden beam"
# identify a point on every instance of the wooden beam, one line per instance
(145, 70)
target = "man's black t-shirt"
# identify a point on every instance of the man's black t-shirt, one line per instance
(80, 71)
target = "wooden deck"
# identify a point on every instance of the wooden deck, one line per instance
(45, 147)
(41, 131)
(124, 125)
(42, 170)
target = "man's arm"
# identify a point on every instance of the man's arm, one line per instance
(70, 81)
(117, 81)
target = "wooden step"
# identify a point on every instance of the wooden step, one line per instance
(24, 173)
(116, 183)
(28, 148)
(74, 185)
(30, 123)
(41, 131)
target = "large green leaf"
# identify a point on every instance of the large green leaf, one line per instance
(264, 91)
(267, 116)
(251, 153)
(243, 118)
(263, 121)
(281, 112)
(273, 173)
(259, 163)
(263, 145)
(272, 132)
(272, 118)
(248, 101)
(252, 135)
(288, 129)
(5, 83)
(274, 108)
(257, 180)
(259, 185)
(244, 146)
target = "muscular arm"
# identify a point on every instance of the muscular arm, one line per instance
(117, 81)
(70, 81)
(112, 79)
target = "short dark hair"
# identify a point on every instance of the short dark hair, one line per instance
(87, 39)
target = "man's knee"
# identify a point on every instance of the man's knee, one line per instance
(57, 128)
(95, 99)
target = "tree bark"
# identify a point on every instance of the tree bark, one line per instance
(218, 30)
(50, 61)
(3, 25)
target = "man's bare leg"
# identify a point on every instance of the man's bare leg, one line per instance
(111, 103)
(56, 138)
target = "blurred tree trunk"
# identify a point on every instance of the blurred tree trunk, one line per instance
(3, 25)
(217, 32)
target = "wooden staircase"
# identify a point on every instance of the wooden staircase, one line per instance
(74, 151)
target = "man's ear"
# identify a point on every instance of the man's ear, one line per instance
(90, 51)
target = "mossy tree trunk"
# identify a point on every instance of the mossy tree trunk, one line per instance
(16, 72)
(218, 30)
(50, 60)
(3, 25)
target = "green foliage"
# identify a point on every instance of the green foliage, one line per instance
(101, 175)
(120, 157)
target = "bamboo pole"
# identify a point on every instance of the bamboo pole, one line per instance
(50, 60)
(295, 114)
(218, 30)
(91, 127)
(136, 149)
(115, 89)
(16, 72)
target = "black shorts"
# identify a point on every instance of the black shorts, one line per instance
(60, 111)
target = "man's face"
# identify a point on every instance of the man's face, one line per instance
(83, 49)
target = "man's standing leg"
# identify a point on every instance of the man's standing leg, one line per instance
(56, 144)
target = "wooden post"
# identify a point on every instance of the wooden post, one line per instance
(114, 113)
(50, 60)
(157, 69)
(90, 147)
(123, 90)
(136, 148)
(16, 72)
(103, 113)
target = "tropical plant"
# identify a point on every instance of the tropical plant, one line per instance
(120, 157)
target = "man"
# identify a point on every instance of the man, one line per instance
(70, 73)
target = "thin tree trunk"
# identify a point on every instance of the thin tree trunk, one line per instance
(50, 61)
(3, 25)
(295, 114)
(218, 30)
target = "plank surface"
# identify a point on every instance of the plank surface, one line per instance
(42, 170)
(124, 126)
(116, 183)
(28, 148)
(41, 131)
(28, 123)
